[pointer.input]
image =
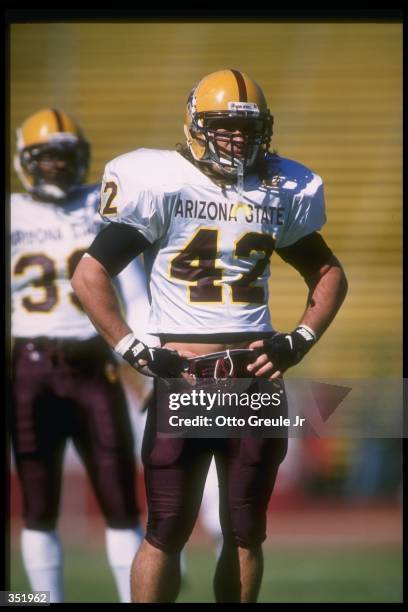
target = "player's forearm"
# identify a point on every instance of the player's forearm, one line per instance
(95, 291)
(327, 291)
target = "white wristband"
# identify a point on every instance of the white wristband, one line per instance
(124, 344)
(309, 329)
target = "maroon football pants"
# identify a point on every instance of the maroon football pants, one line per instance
(175, 474)
(65, 389)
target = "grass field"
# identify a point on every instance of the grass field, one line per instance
(357, 574)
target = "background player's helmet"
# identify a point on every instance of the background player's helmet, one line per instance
(52, 132)
(232, 95)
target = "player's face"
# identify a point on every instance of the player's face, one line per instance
(56, 168)
(233, 138)
(230, 137)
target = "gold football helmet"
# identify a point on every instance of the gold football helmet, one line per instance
(230, 100)
(51, 132)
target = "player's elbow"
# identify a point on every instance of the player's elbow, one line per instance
(341, 281)
(86, 275)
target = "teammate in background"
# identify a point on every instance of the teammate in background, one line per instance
(64, 375)
(208, 217)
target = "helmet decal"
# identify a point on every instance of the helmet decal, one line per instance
(191, 102)
(243, 106)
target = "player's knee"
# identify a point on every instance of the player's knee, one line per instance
(249, 530)
(169, 534)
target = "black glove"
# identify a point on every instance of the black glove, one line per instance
(161, 362)
(286, 350)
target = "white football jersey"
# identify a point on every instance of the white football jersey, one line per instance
(208, 265)
(47, 242)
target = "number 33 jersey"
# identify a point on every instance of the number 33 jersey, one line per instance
(208, 264)
(47, 242)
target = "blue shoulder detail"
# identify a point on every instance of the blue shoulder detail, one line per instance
(288, 173)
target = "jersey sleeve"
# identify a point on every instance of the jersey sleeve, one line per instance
(306, 213)
(128, 196)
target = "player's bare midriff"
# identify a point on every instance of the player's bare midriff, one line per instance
(204, 348)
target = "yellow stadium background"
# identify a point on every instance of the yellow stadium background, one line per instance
(335, 92)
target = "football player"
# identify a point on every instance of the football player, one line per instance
(64, 375)
(208, 217)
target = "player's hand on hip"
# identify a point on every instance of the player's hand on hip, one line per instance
(280, 352)
(162, 362)
(263, 366)
(156, 361)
